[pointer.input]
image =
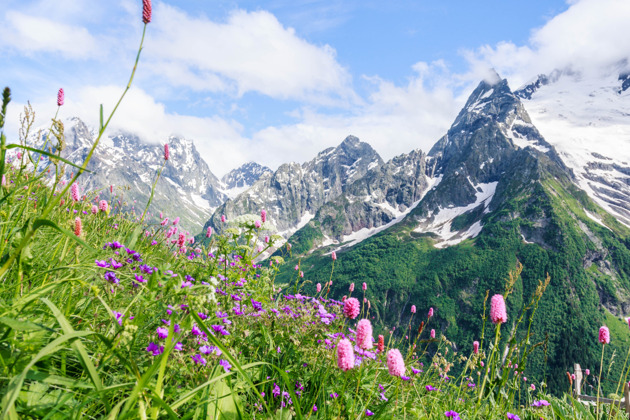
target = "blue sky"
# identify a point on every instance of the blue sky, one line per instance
(278, 80)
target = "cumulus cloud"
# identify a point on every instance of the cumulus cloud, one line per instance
(36, 34)
(590, 36)
(250, 51)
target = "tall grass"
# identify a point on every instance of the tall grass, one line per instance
(131, 319)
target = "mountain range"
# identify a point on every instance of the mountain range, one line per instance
(539, 176)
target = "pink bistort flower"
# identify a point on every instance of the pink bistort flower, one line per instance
(319, 287)
(395, 363)
(604, 335)
(345, 355)
(75, 192)
(476, 347)
(94, 209)
(413, 309)
(167, 154)
(351, 308)
(146, 12)
(364, 334)
(498, 313)
(334, 256)
(209, 232)
(78, 227)
(381, 343)
(60, 97)
(102, 205)
(263, 215)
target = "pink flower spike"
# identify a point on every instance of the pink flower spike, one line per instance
(94, 209)
(498, 313)
(351, 288)
(146, 13)
(395, 363)
(604, 335)
(351, 308)
(587, 372)
(257, 224)
(223, 219)
(263, 216)
(166, 152)
(319, 287)
(413, 309)
(175, 221)
(432, 333)
(364, 334)
(102, 205)
(209, 232)
(78, 227)
(381, 343)
(345, 355)
(476, 347)
(430, 312)
(60, 97)
(334, 256)
(364, 286)
(75, 192)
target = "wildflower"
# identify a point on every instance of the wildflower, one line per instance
(513, 416)
(60, 97)
(351, 308)
(166, 151)
(75, 192)
(345, 355)
(110, 276)
(226, 365)
(102, 205)
(430, 312)
(498, 313)
(209, 232)
(314, 408)
(319, 287)
(175, 221)
(541, 403)
(263, 216)
(430, 388)
(364, 286)
(432, 333)
(198, 359)
(146, 18)
(178, 346)
(364, 334)
(381, 343)
(78, 227)
(533, 387)
(351, 288)
(162, 332)
(453, 414)
(368, 413)
(334, 256)
(604, 335)
(94, 209)
(257, 224)
(119, 317)
(395, 363)
(476, 347)
(413, 309)
(154, 349)
(223, 219)
(587, 372)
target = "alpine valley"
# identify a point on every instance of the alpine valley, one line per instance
(539, 176)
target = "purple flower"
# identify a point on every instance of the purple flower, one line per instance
(115, 264)
(368, 413)
(162, 332)
(256, 305)
(430, 388)
(453, 414)
(119, 317)
(103, 264)
(199, 360)
(513, 416)
(202, 315)
(226, 365)
(276, 390)
(236, 298)
(541, 403)
(220, 329)
(155, 349)
(110, 276)
(179, 346)
(196, 331)
(139, 278)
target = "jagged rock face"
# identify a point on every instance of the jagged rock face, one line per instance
(585, 117)
(491, 135)
(238, 180)
(186, 189)
(385, 193)
(293, 194)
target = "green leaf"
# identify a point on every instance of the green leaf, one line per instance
(15, 386)
(43, 152)
(22, 325)
(45, 222)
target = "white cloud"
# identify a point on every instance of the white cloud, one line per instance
(251, 51)
(590, 36)
(35, 34)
